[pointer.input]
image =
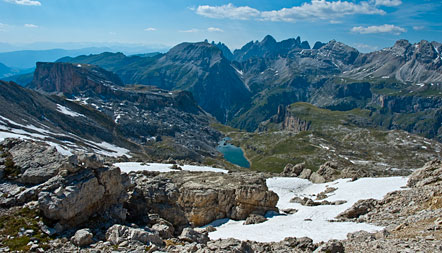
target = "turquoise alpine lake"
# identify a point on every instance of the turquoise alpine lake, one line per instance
(232, 153)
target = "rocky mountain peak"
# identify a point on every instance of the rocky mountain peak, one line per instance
(402, 43)
(339, 51)
(188, 52)
(425, 52)
(268, 40)
(269, 48)
(318, 45)
(226, 51)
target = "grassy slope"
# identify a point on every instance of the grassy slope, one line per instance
(333, 136)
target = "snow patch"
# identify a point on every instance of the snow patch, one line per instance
(68, 111)
(163, 167)
(240, 72)
(111, 150)
(324, 147)
(310, 221)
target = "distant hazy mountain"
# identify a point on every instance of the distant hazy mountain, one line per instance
(8, 72)
(27, 58)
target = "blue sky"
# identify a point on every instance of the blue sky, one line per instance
(367, 25)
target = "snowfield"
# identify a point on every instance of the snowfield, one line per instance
(310, 221)
(12, 129)
(68, 111)
(163, 167)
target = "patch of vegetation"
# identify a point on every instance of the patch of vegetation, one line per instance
(25, 218)
(169, 242)
(223, 128)
(11, 171)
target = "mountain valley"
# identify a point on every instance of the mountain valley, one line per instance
(107, 152)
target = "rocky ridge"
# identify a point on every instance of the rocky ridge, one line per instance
(147, 121)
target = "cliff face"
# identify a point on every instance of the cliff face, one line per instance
(72, 79)
(286, 120)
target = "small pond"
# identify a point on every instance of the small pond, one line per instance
(232, 153)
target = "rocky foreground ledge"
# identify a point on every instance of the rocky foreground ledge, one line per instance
(54, 203)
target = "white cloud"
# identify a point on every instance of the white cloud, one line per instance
(418, 27)
(215, 29)
(316, 9)
(193, 30)
(365, 48)
(24, 2)
(150, 29)
(379, 29)
(227, 11)
(389, 3)
(30, 26)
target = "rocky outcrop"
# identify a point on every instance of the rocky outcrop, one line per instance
(359, 208)
(118, 234)
(190, 235)
(199, 198)
(291, 170)
(255, 219)
(35, 162)
(82, 237)
(73, 79)
(83, 194)
(285, 120)
(327, 172)
(289, 244)
(430, 173)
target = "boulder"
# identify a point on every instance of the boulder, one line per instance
(120, 233)
(430, 173)
(191, 235)
(36, 161)
(229, 245)
(90, 160)
(164, 230)
(332, 246)
(291, 170)
(82, 238)
(81, 195)
(255, 219)
(305, 174)
(359, 208)
(199, 198)
(316, 178)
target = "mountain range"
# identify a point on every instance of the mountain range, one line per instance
(167, 105)
(400, 85)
